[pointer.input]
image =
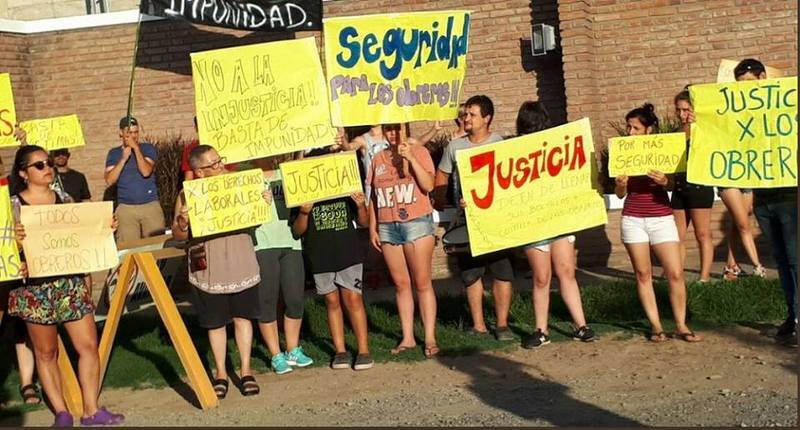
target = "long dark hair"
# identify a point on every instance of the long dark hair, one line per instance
(646, 114)
(16, 184)
(532, 117)
(683, 95)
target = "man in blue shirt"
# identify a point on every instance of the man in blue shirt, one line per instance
(131, 166)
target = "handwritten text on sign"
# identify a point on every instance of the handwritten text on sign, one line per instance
(8, 114)
(9, 254)
(253, 102)
(745, 134)
(636, 155)
(396, 67)
(54, 133)
(68, 239)
(227, 202)
(320, 178)
(253, 15)
(530, 188)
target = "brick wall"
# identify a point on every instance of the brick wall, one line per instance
(619, 54)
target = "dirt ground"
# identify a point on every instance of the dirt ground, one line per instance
(736, 377)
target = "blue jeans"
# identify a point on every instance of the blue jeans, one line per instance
(399, 233)
(778, 221)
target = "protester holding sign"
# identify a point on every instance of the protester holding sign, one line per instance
(776, 212)
(477, 123)
(401, 227)
(132, 167)
(545, 255)
(648, 223)
(692, 202)
(224, 272)
(280, 260)
(327, 229)
(45, 302)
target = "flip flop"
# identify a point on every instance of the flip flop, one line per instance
(688, 336)
(658, 337)
(399, 349)
(431, 351)
(220, 387)
(249, 386)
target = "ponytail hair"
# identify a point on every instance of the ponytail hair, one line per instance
(646, 114)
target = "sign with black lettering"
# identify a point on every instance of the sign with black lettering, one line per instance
(254, 15)
(68, 239)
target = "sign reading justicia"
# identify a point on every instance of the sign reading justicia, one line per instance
(254, 15)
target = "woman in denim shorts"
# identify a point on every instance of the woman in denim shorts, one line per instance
(401, 227)
(545, 256)
(648, 223)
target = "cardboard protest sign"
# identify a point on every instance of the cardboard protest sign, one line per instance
(530, 188)
(68, 239)
(396, 67)
(8, 114)
(745, 134)
(636, 155)
(251, 15)
(54, 133)
(227, 202)
(725, 72)
(320, 178)
(259, 100)
(9, 254)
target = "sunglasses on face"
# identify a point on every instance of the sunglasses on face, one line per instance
(40, 165)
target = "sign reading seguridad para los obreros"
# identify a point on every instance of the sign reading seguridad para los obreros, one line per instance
(260, 100)
(636, 155)
(530, 188)
(744, 134)
(396, 67)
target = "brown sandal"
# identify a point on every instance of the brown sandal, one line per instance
(658, 337)
(688, 336)
(431, 351)
(399, 349)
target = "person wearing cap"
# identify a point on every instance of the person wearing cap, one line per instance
(71, 181)
(131, 166)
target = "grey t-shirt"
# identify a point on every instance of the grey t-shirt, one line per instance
(448, 161)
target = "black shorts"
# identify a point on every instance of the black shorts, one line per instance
(473, 268)
(218, 310)
(691, 196)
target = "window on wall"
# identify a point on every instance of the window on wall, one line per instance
(96, 6)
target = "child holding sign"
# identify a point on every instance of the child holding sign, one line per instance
(647, 222)
(776, 212)
(327, 229)
(224, 272)
(401, 227)
(44, 302)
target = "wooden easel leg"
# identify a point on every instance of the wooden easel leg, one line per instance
(70, 388)
(177, 330)
(114, 314)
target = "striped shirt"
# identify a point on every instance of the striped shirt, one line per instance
(646, 199)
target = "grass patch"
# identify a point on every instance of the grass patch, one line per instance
(143, 355)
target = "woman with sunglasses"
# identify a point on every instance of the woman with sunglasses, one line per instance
(648, 224)
(44, 302)
(401, 227)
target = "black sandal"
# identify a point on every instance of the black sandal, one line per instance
(249, 386)
(29, 392)
(220, 388)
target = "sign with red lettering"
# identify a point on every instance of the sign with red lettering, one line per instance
(530, 188)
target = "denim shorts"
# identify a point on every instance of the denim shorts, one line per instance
(398, 233)
(544, 245)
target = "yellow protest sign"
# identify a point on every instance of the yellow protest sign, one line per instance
(8, 114)
(530, 188)
(396, 67)
(68, 239)
(259, 100)
(54, 133)
(745, 134)
(726, 67)
(320, 178)
(636, 155)
(9, 254)
(226, 202)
